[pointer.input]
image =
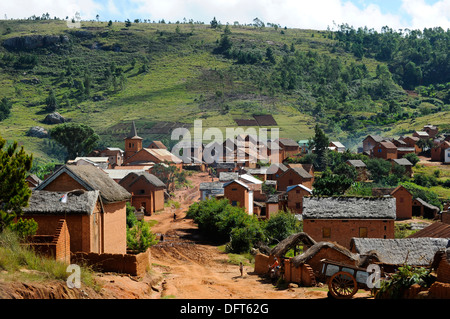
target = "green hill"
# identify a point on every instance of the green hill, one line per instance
(164, 76)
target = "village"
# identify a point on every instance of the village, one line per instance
(81, 210)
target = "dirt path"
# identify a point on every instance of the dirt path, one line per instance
(191, 268)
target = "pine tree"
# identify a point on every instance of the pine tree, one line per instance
(14, 190)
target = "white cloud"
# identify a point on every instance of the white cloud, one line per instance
(290, 13)
(425, 15)
(60, 8)
(307, 14)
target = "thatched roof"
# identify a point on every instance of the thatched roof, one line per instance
(299, 171)
(413, 251)
(313, 250)
(349, 208)
(356, 163)
(295, 239)
(91, 178)
(402, 162)
(46, 202)
(427, 205)
(150, 178)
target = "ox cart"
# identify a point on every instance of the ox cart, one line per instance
(343, 280)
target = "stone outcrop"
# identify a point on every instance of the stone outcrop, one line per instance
(30, 42)
(37, 131)
(54, 118)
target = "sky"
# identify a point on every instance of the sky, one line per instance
(303, 14)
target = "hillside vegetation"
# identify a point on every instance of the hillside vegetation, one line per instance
(162, 76)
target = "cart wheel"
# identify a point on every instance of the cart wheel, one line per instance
(342, 285)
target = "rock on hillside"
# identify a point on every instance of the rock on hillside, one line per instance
(30, 42)
(37, 131)
(54, 118)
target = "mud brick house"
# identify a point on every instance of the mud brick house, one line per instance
(118, 174)
(147, 191)
(239, 194)
(273, 205)
(275, 170)
(288, 147)
(147, 156)
(307, 167)
(403, 200)
(339, 219)
(102, 162)
(113, 198)
(33, 181)
(385, 150)
(89, 230)
(421, 134)
(439, 150)
(115, 156)
(411, 141)
(432, 130)
(294, 176)
(293, 198)
(370, 141)
(424, 209)
(211, 189)
(337, 146)
(404, 163)
(361, 169)
(398, 251)
(157, 145)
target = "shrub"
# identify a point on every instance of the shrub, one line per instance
(140, 237)
(281, 226)
(25, 227)
(224, 222)
(405, 277)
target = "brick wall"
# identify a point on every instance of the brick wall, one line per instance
(55, 245)
(446, 217)
(135, 265)
(114, 230)
(403, 203)
(292, 178)
(342, 231)
(63, 183)
(237, 193)
(443, 271)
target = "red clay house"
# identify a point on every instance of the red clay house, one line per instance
(111, 216)
(293, 198)
(339, 219)
(294, 176)
(146, 190)
(83, 213)
(403, 197)
(385, 150)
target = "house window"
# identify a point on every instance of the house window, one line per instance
(233, 203)
(401, 199)
(379, 150)
(290, 182)
(234, 189)
(363, 232)
(326, 232)
(297, 205)
(142, 191)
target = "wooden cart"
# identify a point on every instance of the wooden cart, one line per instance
(343, 280)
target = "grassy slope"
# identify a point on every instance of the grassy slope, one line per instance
(180, 86)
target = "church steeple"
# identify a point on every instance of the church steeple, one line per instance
(133, 142)
(133, 132)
